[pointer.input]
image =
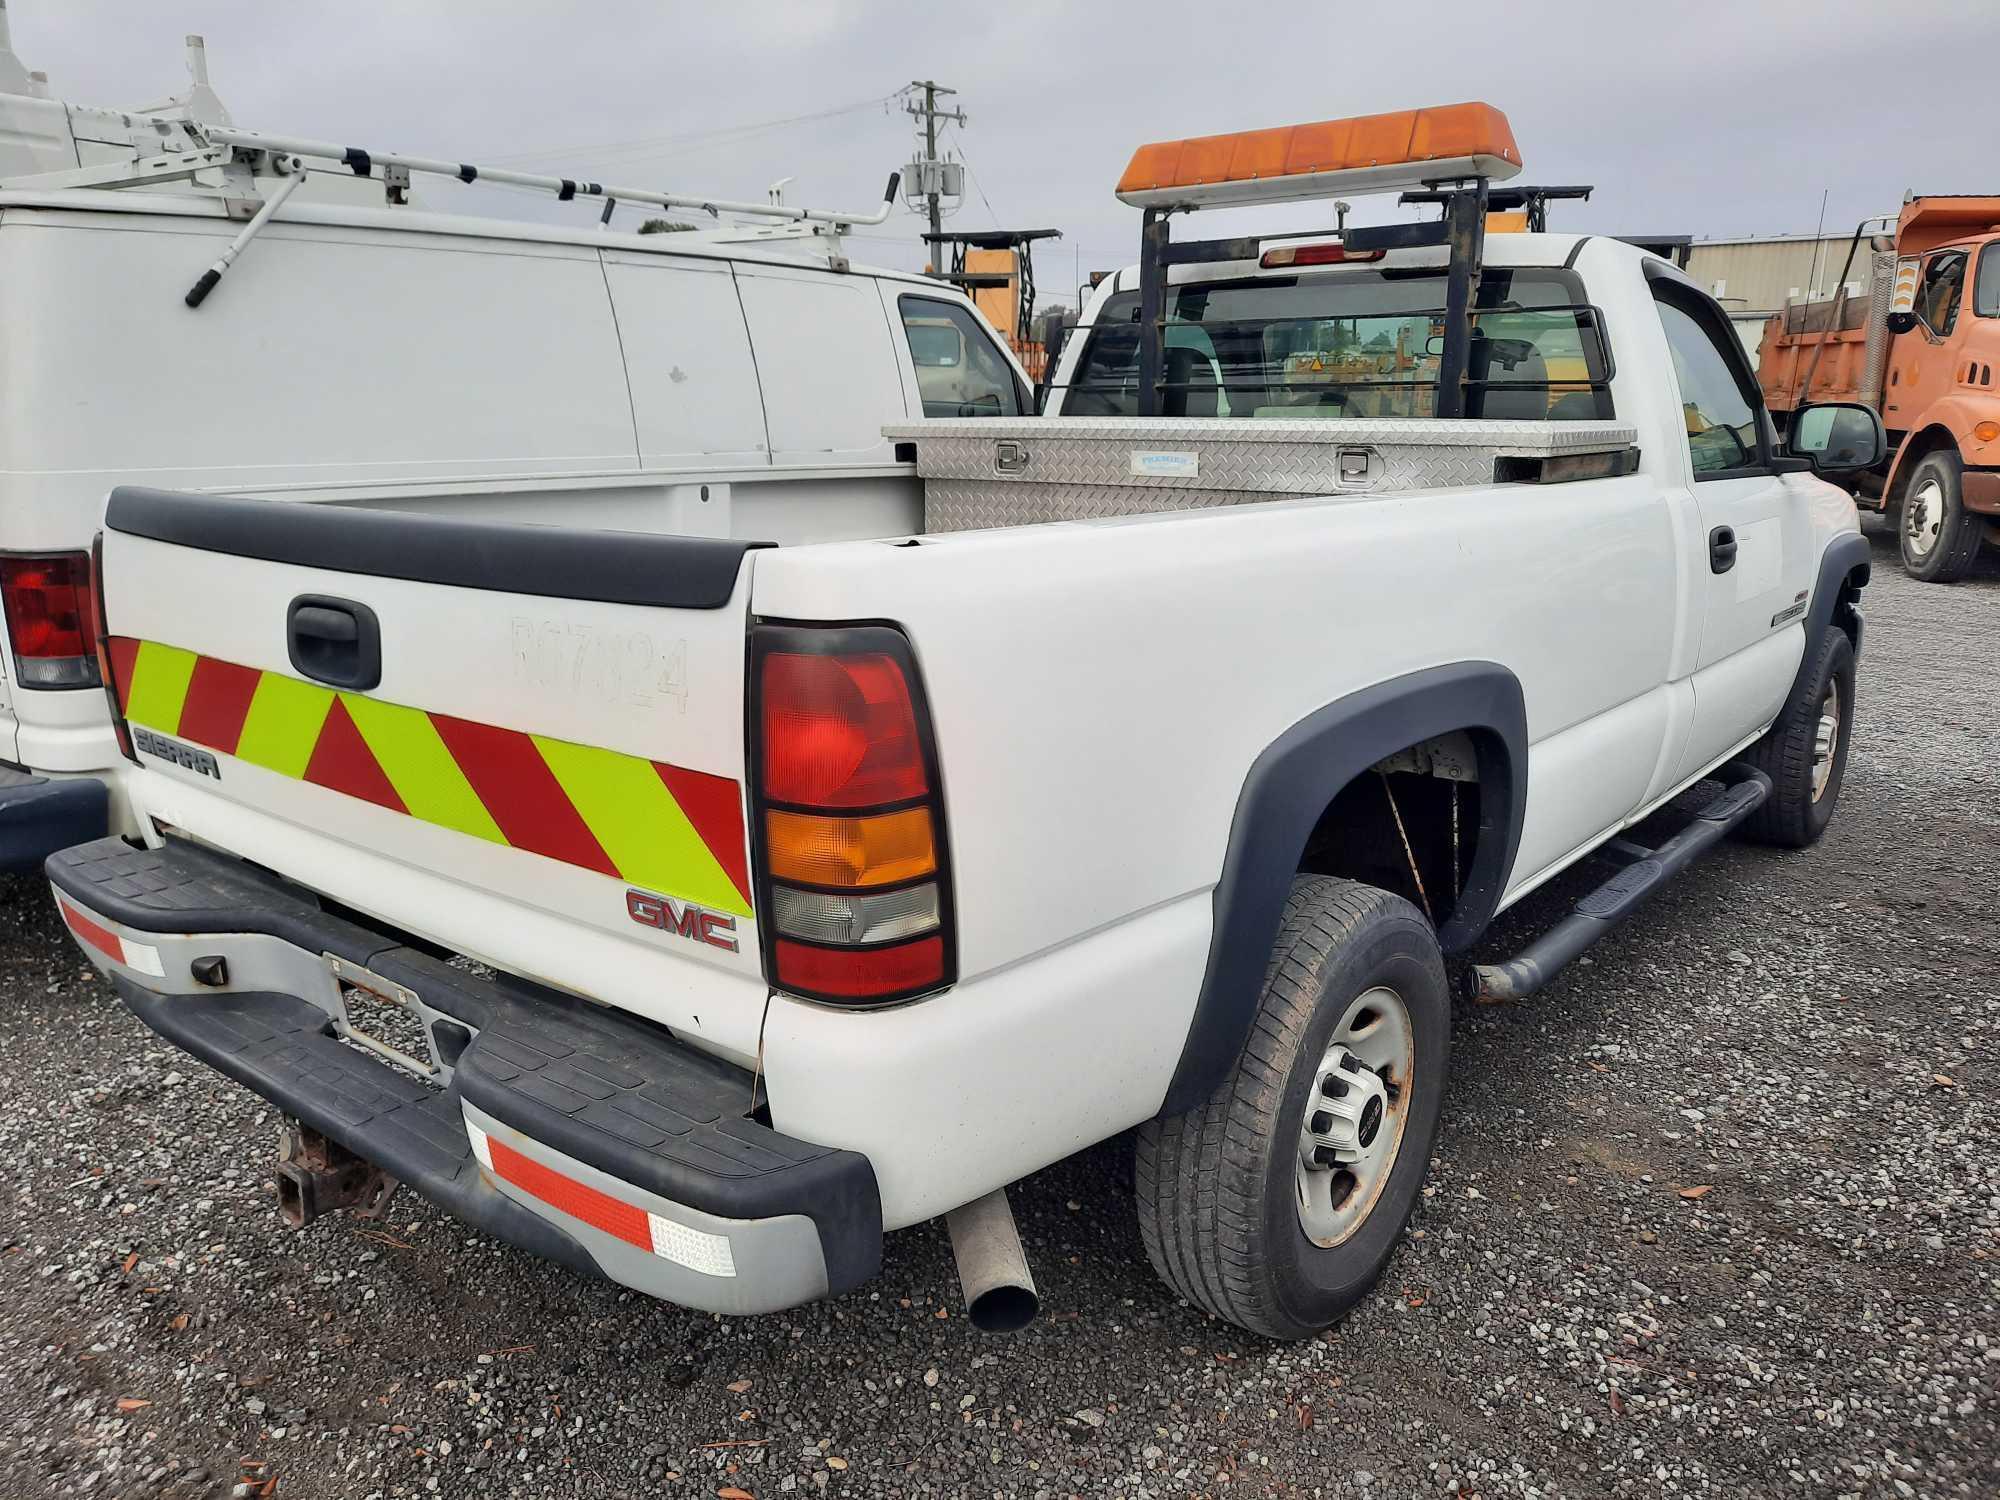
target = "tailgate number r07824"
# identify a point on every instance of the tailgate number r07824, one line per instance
(616, 666)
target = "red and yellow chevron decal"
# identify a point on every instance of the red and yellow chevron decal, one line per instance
(650, 824)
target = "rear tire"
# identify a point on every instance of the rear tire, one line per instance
(1276, 1218)
(1939, 540)
(1805, 752)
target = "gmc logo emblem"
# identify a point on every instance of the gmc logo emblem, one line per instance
(682, 919)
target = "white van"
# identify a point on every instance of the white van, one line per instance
(389, 357)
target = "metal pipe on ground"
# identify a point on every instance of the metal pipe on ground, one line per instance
(992, 1269)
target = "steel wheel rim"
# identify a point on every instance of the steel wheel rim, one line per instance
(1826, 740)
(1356, 1116)
(1923, 518)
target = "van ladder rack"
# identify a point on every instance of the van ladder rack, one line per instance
(189, 139)
(397, 168)
(363, 162)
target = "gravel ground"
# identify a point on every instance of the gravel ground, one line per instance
(1716, 1214)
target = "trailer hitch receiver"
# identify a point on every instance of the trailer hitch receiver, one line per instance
(317, 1176)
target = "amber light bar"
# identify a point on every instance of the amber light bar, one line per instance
(1365, 154)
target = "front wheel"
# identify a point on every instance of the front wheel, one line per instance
(1939, 539)
(1276, 1204)
(1805, 752)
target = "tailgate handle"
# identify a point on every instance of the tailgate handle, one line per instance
(335, 641)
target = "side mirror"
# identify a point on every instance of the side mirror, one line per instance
(1054, 331)
(1839, 437)
(1903, 294)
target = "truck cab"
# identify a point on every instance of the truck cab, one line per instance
(1920, 345)
(1938, 392)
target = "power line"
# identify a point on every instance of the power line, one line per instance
(977, 185)
(645, 144)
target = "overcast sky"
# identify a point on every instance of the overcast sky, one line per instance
(1702, 118)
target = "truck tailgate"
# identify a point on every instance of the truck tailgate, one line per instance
(522, 743)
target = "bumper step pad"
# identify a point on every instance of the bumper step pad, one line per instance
(605, 1088)
(279, 1047)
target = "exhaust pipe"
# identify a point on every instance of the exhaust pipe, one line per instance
(992, 1270)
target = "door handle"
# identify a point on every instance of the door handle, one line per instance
(334, 641)
(1721, 550)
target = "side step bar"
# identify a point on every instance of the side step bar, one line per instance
(1744, 791)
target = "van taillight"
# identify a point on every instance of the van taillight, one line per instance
(854, 881)
(51, 612)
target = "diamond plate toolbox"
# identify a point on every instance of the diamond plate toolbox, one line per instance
(988, 472)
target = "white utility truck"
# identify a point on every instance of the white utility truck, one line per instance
(1145, 782)
(188, 304)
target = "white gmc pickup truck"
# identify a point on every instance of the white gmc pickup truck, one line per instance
(1352, 589)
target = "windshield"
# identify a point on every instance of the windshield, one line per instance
(1353, 344)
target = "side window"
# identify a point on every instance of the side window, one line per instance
(1986, 292)
(960, 372)
(1937, 298)
(1721, 418)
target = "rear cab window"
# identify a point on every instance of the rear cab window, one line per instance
(1353, 344)
(960, 370)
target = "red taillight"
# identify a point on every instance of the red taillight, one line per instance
(839, 731)
(1315, 255)
(51, 610)
(862, 973)
(855, 893)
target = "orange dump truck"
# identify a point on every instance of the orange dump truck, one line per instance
(1920, 344)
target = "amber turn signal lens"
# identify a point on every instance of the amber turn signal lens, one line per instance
(1986, 432)
(850, 852)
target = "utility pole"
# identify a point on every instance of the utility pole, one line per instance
(930, 114)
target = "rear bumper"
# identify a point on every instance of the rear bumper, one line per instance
(582, 1134)
(41, 814)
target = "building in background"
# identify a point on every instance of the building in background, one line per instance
(1755, 277)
